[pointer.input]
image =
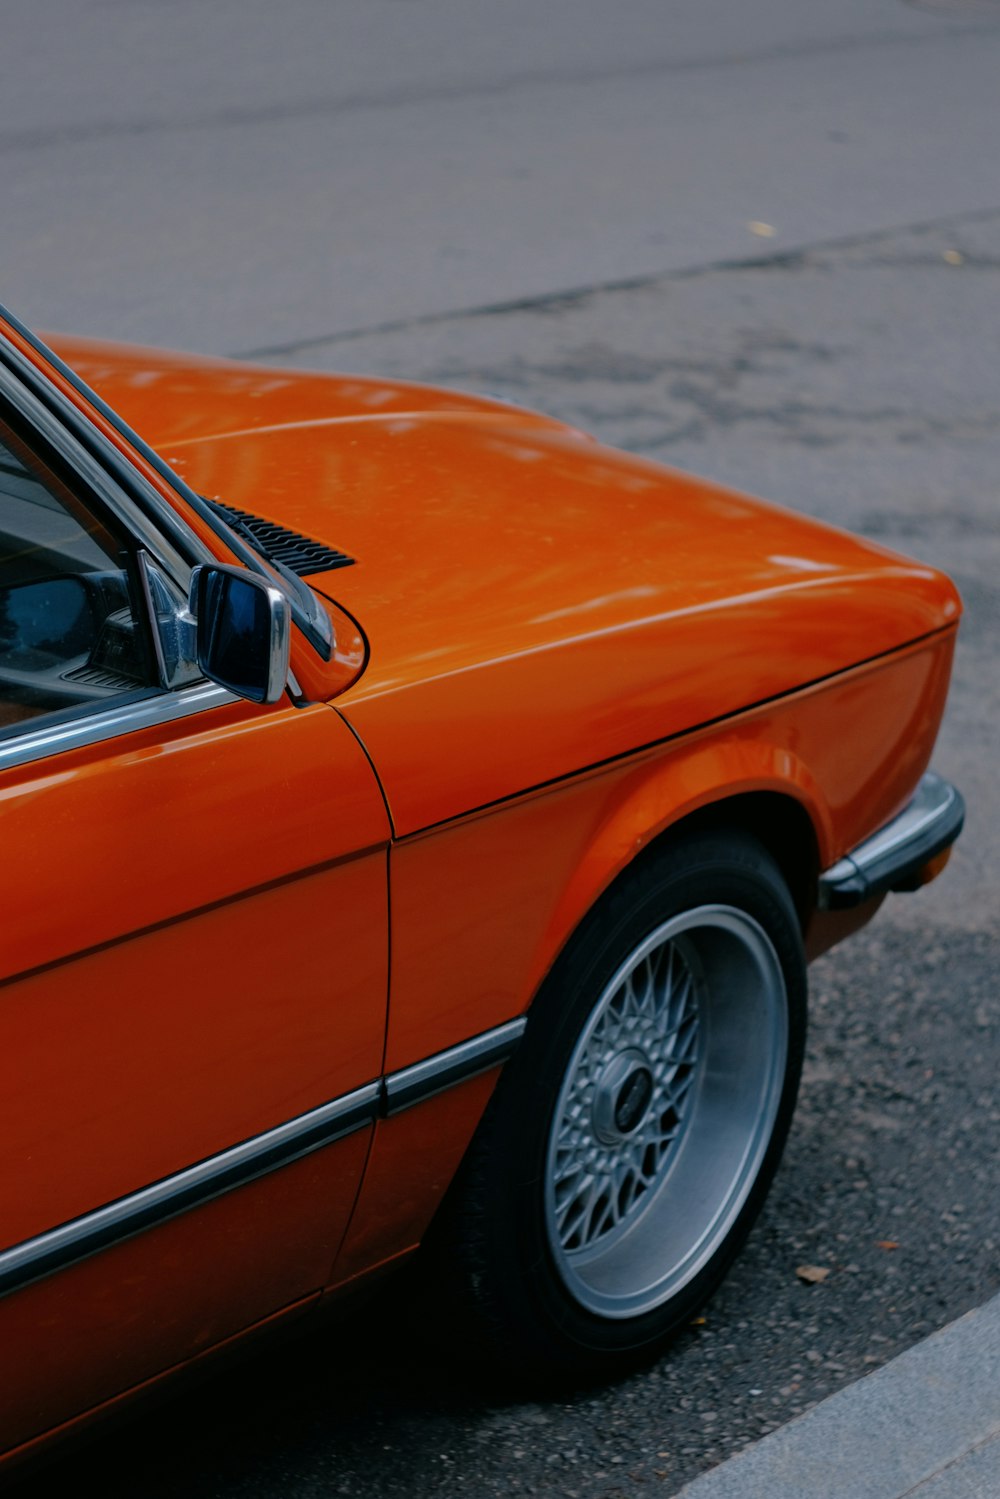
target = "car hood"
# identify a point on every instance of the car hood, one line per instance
(169, 397)
(534, 603)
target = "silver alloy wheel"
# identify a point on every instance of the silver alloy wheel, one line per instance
(666, 1110)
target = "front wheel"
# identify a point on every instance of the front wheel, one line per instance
(632, 1139)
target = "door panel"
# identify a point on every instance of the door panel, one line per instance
(194, 950)
(115, 837)
(149, 1055)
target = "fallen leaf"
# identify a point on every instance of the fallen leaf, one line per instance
(813, 1275)
(764, 231)
(698, 1321)
(886, 1244)
(953, 257)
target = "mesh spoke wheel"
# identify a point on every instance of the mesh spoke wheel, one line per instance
(665, 1110)
(632, 1138)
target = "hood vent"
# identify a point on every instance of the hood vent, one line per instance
(298, 553)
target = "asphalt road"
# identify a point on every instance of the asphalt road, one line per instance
(847, 366)
(242, 173)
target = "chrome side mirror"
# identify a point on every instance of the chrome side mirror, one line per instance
(243, 631)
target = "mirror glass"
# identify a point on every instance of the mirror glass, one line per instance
(242, 634)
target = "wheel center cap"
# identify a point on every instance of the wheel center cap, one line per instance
(622, 1097)
(633, 1099)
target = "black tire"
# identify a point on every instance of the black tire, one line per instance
(560, 1302)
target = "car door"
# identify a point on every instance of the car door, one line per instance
(193, 970)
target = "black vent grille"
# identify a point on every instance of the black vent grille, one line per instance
(298, 553)
(99, 676)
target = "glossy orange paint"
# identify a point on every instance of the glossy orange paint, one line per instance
(534, 605)
(605, 602)
(548, 654)
(320, 680)
(195, 1032)
(545, 858)
(168, 396)
(414, 1157)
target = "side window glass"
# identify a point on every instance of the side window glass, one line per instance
(69, 633)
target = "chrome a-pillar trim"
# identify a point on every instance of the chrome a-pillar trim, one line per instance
(892, 858)
(81, 1237)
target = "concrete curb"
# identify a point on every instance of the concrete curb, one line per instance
(926, 1424)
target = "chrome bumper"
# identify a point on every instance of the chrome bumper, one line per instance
(893, 858)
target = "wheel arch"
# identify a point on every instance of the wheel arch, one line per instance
(754, 788)
(777, 820)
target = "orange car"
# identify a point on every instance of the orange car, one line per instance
(360, 740)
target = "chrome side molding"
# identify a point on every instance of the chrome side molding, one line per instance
(413, 1084)
(129, 1215)
(81, 1237)
(892, 858)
